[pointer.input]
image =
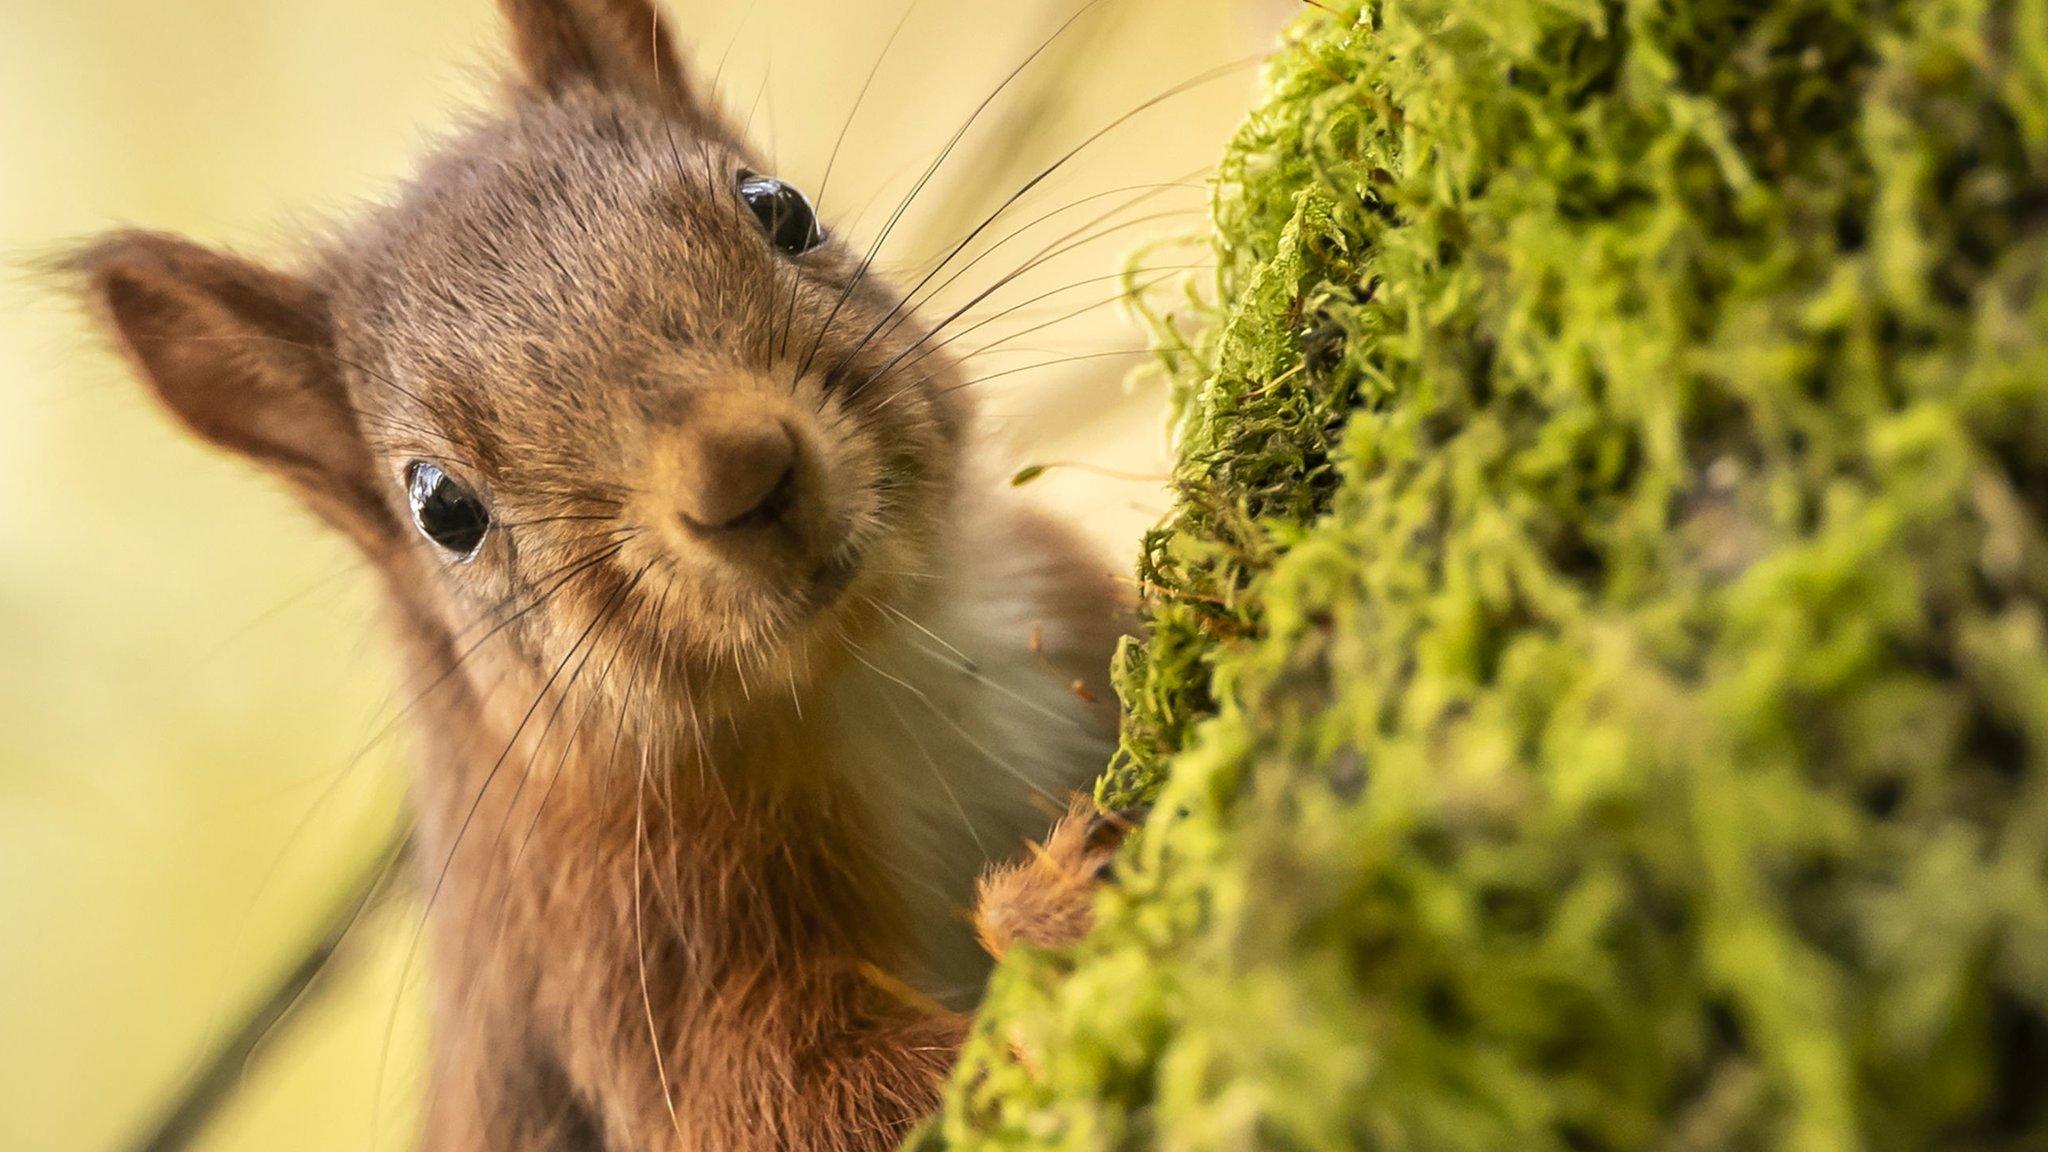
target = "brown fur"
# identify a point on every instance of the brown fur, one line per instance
(654, 921)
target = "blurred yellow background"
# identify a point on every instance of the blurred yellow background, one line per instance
(192, 680)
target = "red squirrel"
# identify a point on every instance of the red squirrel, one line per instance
(739, 664)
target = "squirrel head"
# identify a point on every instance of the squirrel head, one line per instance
(594, 381)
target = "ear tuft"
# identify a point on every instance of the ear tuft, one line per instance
(618, 45)
(243, 355)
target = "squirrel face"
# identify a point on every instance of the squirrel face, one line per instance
(579, 318)
(591, 382)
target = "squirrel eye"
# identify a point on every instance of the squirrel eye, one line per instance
(446, 512)
(785, 213)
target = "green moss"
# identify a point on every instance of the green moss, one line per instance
(1597, 691)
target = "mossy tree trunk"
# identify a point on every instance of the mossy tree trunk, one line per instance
(1597, 687)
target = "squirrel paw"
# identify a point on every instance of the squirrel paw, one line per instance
(1047, 900)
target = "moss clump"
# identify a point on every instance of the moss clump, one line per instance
(1598, 688)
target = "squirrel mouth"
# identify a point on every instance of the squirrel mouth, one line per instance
(830, 582)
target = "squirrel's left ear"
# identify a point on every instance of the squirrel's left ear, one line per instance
(618, 45)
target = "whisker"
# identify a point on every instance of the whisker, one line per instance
(441, 878)
(1054, 363)
(924, 698)
(640, 949)
(588, 650)
(966, 666)
(832, 160)
(938, 774)
(932, 169)
(1145, 192)
(1035, 181)
(655, 34)
(1035, 262)
(355, 760)
(561, 762)
(1122, 295)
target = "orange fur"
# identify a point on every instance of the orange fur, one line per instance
(1047, 899)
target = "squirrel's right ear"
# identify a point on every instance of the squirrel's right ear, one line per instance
(618, 45)
(244, 356)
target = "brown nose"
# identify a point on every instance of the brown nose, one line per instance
(734, 474)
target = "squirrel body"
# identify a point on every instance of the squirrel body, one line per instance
(734, 664)
(781, 911)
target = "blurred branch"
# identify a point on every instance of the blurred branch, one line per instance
(228, 1068)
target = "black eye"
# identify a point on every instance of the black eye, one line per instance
(446, 512)
(784, 212)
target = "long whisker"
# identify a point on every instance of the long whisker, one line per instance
(347, 768)
(960, 730)
(603, 676)
(938, 774)
(441, 877)
(931, 170)
(1035, 181)
(518, 730)
(1145, 192)
(1123, 294)
(1043, 364)
(209, 1089)
(668, 127)
(963, 664)
(668, 1095)
(503, 917)
(1065, 244)
(832, 160)
(588, 649)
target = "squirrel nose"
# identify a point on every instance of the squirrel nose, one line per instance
(734, 475)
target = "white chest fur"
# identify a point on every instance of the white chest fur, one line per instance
(959, 727)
